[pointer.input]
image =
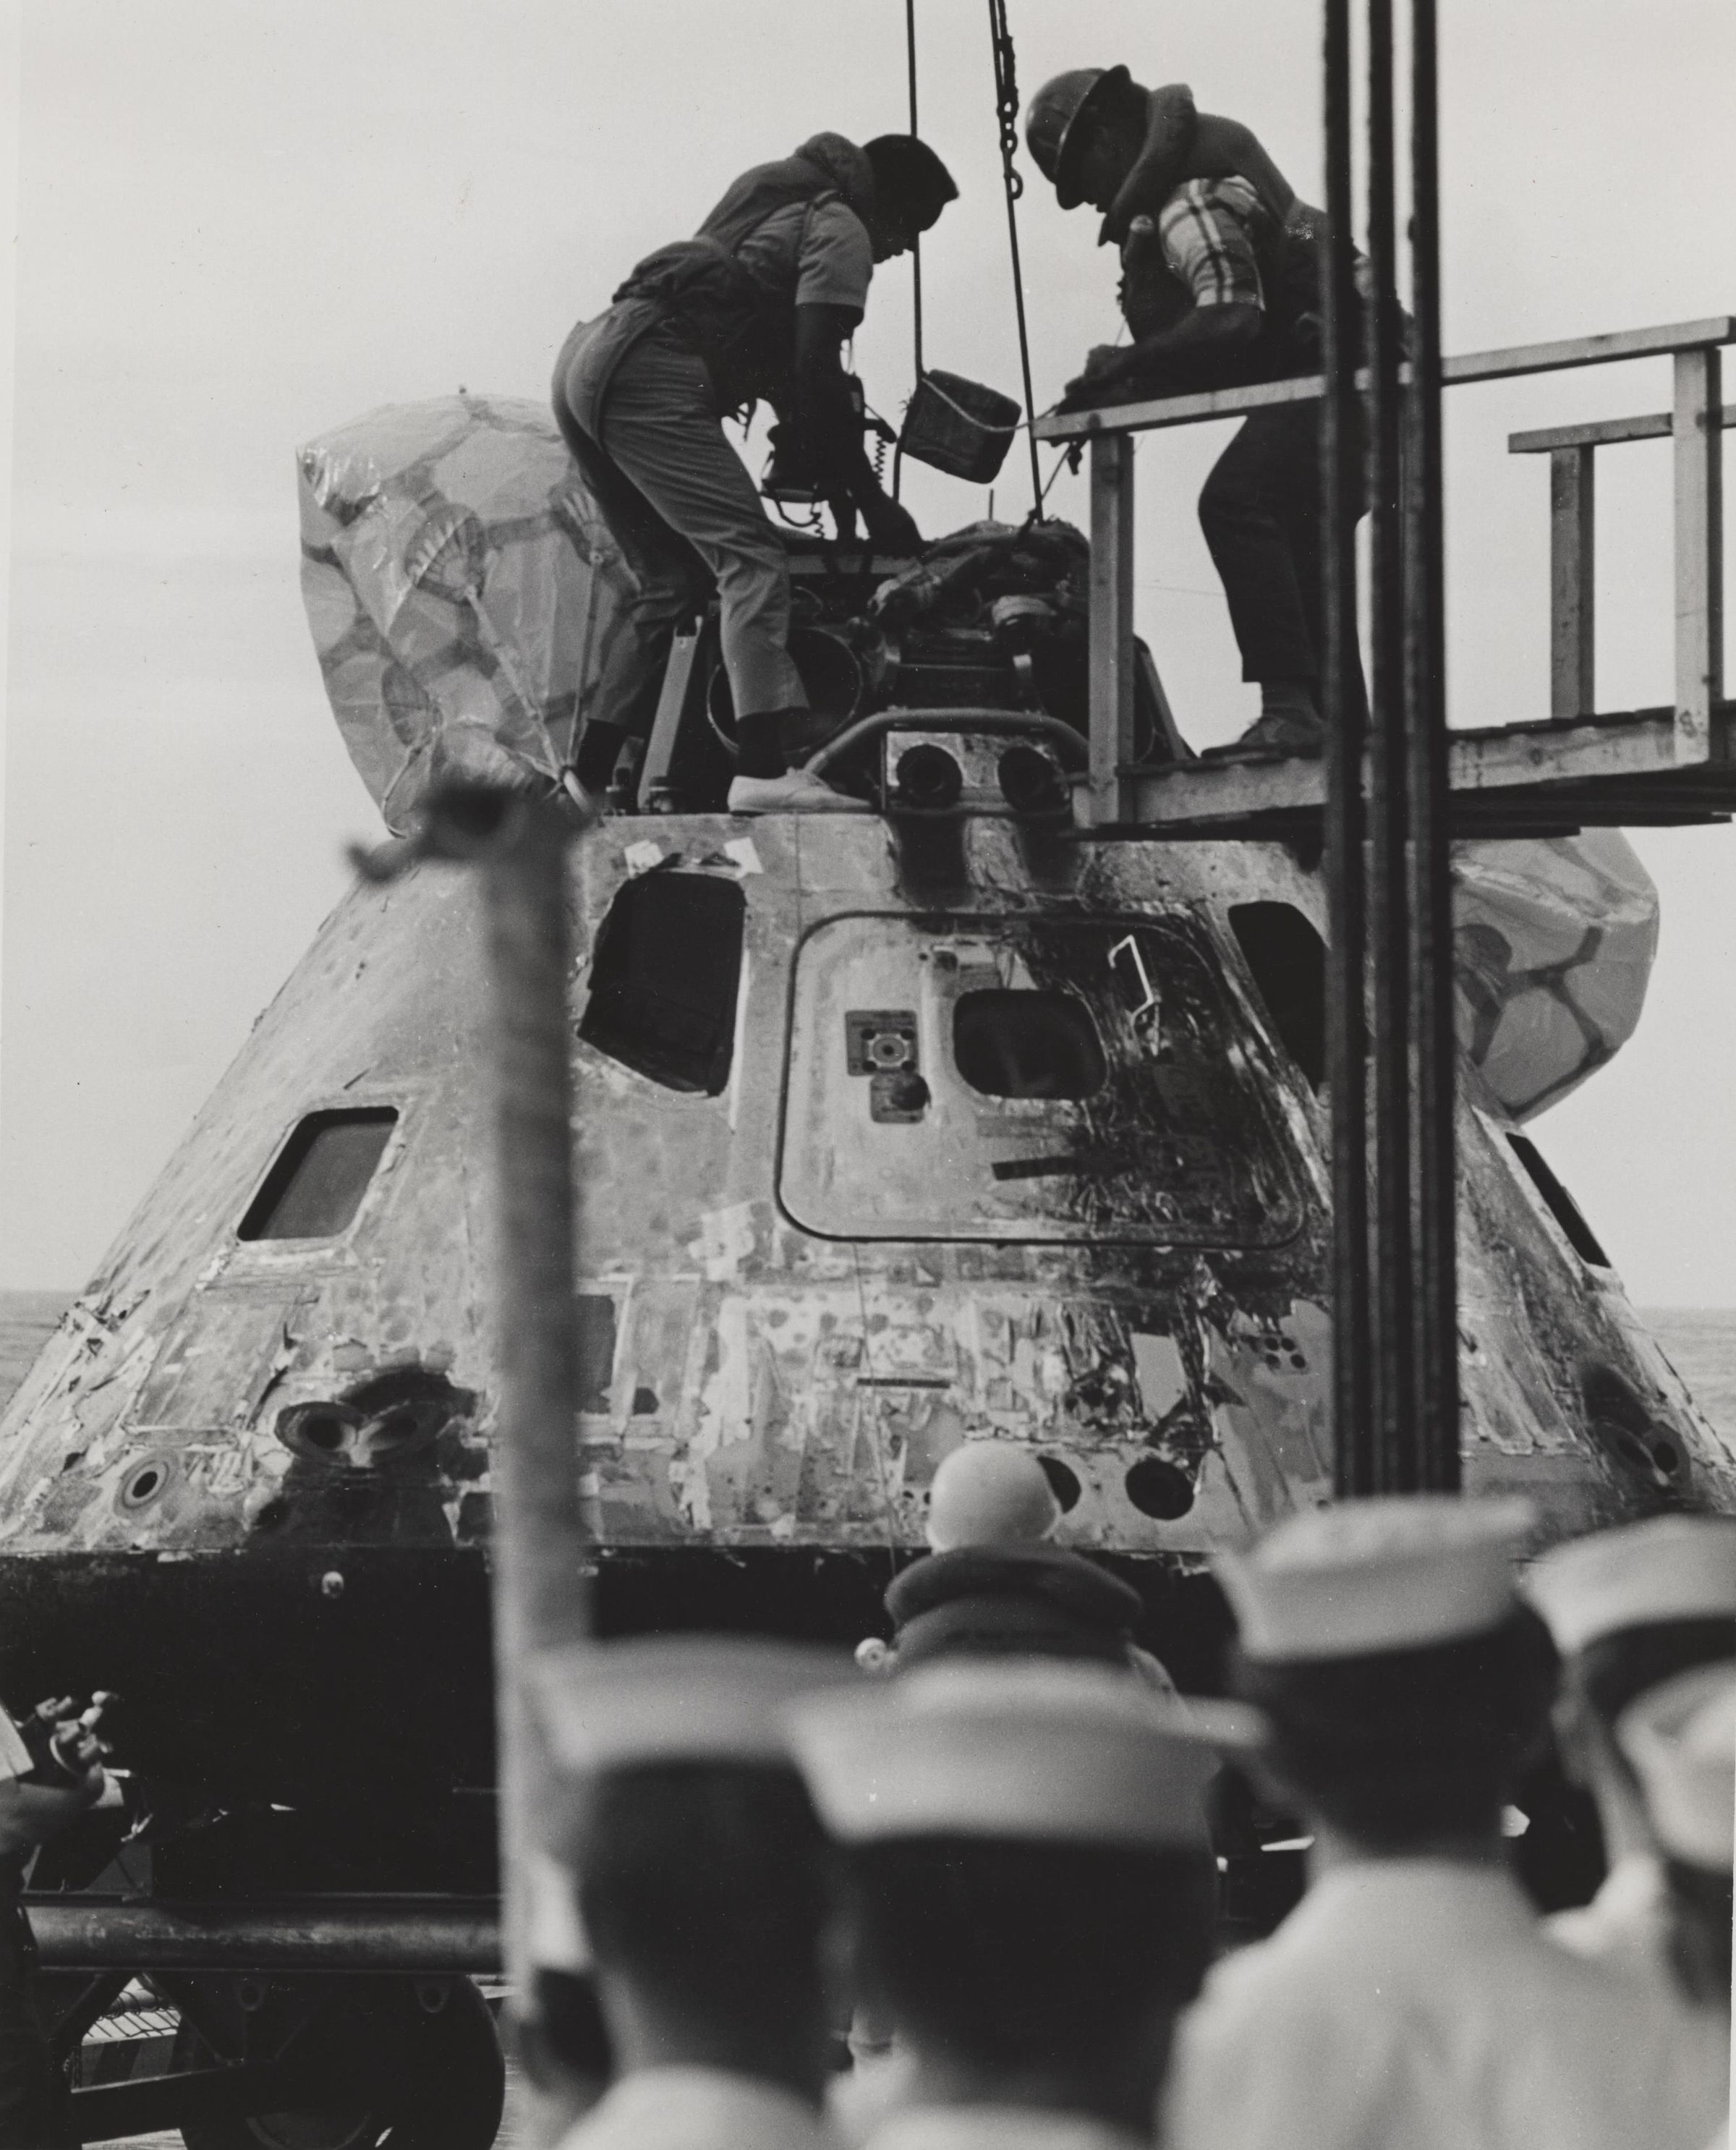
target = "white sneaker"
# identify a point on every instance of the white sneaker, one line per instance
(794, 792)
(589, 806)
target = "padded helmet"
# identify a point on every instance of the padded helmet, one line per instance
(990, 1493)
(1053, 133)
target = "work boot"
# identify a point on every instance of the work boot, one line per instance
(1288, 725)
(794, 792)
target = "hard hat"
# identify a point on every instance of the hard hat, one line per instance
(990, 1493)
(1053, 134)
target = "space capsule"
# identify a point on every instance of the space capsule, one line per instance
(893, 1131)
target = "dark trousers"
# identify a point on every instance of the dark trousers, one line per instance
(1260, 512)
(679, 503)
(667, 585)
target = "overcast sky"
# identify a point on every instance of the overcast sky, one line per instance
(239, 224)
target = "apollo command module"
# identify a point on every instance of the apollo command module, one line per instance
(895, 1130)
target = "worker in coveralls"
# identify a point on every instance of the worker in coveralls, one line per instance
(756, 305)
(1220, 285)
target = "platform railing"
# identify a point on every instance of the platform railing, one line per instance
(1694, 423)
(1573, 542)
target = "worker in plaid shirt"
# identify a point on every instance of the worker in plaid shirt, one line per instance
(1220, 285)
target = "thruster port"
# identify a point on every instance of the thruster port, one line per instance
(145, 1482)
(1030, 783)
(928, 778)
(1158, 1489)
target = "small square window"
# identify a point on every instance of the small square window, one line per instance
(1561, 1204)
(1287, 956)
(316, 1187)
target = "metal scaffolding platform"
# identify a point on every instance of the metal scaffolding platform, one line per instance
(1580, 767)
(1618, 771)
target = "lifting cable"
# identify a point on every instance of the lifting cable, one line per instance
(910, 50)
(1006, 109)
(909, 45)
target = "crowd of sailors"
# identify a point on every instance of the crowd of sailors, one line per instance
(961, 1893)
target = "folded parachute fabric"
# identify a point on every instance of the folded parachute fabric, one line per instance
(461, 588)
(1553, 939)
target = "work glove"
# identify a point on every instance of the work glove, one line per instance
(891, 528)
(1105, 378)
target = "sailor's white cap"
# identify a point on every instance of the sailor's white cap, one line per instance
(1397, 1572)
(1639, 1575)
(676, 1699)
(1030, 1749)
(990, 1493)
(1681, 1738)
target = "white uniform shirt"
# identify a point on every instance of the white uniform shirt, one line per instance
(681, 2108)
(1626, 1925)
(1626, 1929)
(998, 2127)
(1417, 2005)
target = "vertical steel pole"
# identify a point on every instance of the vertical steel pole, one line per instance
(1393, 1354)
(538, 1546)
(1110, 626)
(1346, 730)
(1431, 947)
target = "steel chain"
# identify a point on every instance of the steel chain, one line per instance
(1007, 97)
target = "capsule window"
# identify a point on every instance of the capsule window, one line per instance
(1026, 1044)
(1064, 1079)
(315, 1186)
(1560, 1205)
(664, 975)
(1287, 959)
(594, 1339)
